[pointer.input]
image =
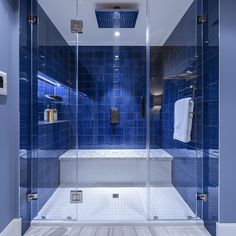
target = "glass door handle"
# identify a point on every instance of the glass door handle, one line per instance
(142, 102)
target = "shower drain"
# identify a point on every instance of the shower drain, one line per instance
(115, 195)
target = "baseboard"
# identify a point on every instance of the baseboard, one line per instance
(225, 229)
(13, 228)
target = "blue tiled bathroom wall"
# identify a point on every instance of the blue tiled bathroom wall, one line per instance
(109, 83)
(195, 164)
(111, 77)
(156, 88)
(42, 143)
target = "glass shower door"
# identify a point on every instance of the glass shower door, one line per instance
(111, 112)
(103, 123)
(176, 163)
(54, 97)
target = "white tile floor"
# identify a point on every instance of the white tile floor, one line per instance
(117, 231)
(99, 205)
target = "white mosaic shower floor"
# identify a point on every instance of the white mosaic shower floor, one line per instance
(99, 205)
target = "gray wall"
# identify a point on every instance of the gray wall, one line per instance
(227, 111)
(9, 110)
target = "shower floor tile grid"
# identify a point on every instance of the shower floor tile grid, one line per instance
(99, 205)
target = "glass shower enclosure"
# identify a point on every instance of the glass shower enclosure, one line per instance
(104, 81)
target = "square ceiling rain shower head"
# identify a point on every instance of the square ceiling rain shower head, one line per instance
(116, 18)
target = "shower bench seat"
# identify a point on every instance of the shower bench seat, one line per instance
(117, 167)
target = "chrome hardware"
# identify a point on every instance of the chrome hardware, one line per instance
(76, 26)
(202, 197)
(201, 19)
(155, 217)
(32, 197)
(76, 196)
(115, 195)
(33, 20)
(114, 116)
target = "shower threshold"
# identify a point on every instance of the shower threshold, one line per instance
(100, 207)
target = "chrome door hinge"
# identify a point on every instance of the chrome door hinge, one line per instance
(32, 197)
(201, 19)
(33, 20)
(202, 197)
(76, 26)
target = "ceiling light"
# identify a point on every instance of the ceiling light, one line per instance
(117, 34)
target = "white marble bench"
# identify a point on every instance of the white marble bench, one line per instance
(109, 166)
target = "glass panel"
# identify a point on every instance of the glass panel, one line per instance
(211, 113)
(54, 97)
(111, 92)
(175, 155)
(26, 147)
(111, 119)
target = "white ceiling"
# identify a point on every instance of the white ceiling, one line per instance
(164, 16)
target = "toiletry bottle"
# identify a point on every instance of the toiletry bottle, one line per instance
(46, 114)
(55, 114)
(51, 115)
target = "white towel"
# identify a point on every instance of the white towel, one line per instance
(183, 119)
